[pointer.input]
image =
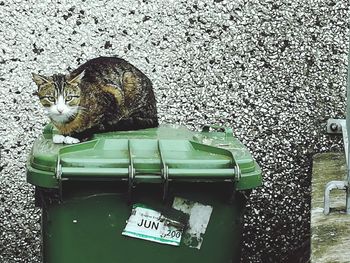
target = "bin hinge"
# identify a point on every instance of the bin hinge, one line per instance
(228, 131)
(58, 171)
(238, 173)
(58, 174)
(131, 173)
(164, 172)
(165, 175)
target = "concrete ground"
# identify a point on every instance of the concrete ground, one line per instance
(330, 234)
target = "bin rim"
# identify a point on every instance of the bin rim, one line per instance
(177, 155)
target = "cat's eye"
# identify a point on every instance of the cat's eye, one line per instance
(70, 97)
(51, 98)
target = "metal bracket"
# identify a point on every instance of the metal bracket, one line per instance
(338, 126)
(340, 185)
(335, 126)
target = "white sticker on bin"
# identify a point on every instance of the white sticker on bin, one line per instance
(199, 219)
(148, 224)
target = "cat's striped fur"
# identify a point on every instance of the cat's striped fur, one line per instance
(104, 94)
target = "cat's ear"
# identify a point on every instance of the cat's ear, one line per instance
(76, 80)
(40, 80)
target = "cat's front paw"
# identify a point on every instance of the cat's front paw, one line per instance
(70, 140)
(58, 138)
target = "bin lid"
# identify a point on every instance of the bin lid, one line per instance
(151, 155)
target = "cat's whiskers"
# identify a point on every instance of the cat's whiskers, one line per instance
(74, 111)
(81, 108)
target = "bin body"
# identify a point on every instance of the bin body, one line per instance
(88, 192)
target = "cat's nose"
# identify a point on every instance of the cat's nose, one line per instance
(60, 110)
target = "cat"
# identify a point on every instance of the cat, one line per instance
(104, 94)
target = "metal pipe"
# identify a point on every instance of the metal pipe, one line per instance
(347, 132)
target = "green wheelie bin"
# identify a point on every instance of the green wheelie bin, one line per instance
(164, 194)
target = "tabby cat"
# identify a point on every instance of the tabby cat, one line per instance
(104, 94)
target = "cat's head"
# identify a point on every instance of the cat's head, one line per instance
(60, 95)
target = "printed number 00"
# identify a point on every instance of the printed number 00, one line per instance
(173, 233)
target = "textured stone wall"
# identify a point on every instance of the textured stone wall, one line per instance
(274, 71)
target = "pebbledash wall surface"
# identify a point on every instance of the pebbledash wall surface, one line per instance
(274, 71)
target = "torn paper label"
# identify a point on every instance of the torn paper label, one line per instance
(148, 224)
(198, 220)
